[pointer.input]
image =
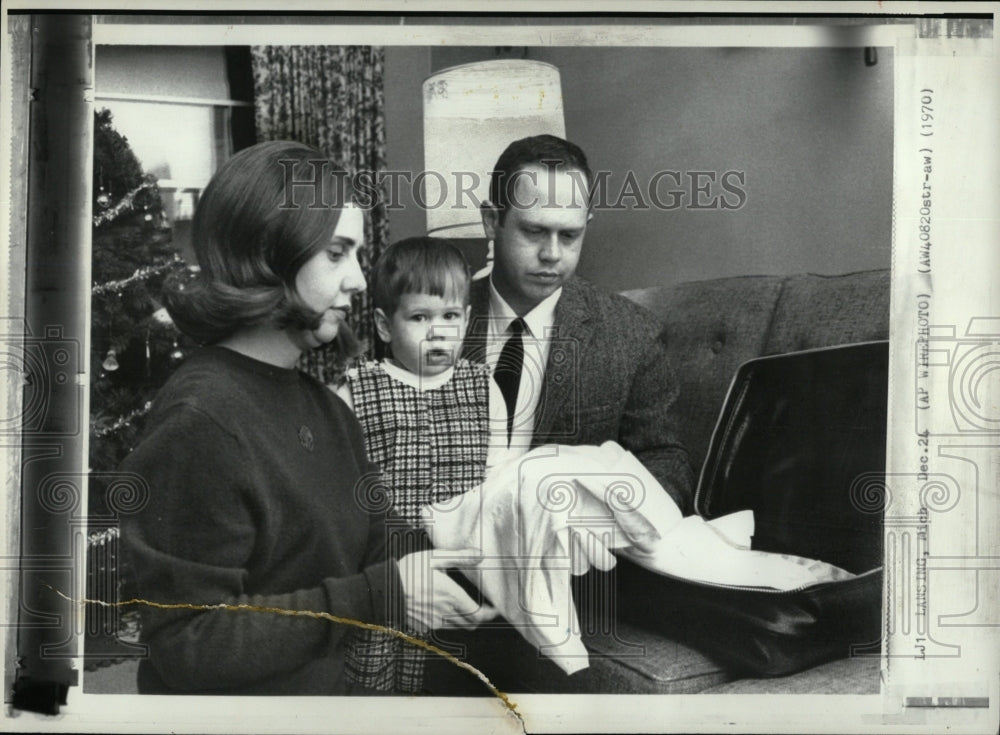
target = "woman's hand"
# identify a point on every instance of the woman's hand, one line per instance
(433, 599)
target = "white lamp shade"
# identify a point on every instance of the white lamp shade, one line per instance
(471, 114)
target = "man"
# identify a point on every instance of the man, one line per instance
(575, 366)
(589, 366)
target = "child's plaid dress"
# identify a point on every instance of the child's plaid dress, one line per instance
(431, 445)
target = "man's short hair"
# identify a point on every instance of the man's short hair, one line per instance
(537, 150)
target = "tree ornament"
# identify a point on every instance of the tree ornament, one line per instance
(162, 316)
(103, 200)
(110, 363)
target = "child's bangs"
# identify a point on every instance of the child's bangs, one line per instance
(444, 279)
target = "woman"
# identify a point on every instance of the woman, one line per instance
(257, 473)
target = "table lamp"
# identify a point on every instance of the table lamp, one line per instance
(472, 112)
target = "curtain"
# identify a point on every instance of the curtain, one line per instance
(332, 98)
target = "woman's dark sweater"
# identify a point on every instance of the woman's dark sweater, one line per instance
(254, 498)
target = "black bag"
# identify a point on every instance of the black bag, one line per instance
(800, 442)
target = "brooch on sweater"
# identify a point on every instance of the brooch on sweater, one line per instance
(306, 437)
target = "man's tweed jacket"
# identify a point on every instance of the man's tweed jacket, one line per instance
(607, 377)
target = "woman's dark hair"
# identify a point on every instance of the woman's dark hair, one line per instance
(265, 212)
(427, 265)
(537, 150)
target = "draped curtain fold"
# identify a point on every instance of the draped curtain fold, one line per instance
(332, 98)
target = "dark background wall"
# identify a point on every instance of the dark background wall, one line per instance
(810, 128)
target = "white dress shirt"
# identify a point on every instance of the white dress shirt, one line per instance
(537, 338)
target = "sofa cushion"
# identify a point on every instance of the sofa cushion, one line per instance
(845, 676)
(819, 311)
(710, 329)
(638, 661)
(625, 660)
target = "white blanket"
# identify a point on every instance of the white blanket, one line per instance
(559, 510)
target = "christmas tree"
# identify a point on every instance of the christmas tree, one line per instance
(134, 347)
(134, 344)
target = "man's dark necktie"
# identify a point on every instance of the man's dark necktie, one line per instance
(507, 373)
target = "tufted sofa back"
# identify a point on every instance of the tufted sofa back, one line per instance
(711, 327)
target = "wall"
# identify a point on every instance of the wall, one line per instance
(811, 129)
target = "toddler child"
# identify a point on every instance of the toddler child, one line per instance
(424, 410)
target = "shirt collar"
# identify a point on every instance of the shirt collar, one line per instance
(538, 321)
(417, 381)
